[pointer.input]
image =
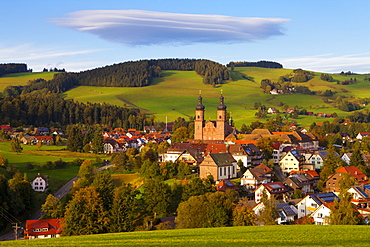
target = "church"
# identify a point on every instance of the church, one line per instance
(211, 130)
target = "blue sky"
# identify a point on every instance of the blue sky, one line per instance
(324, 36)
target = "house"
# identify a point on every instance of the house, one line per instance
(271, 110)
(292, 161)
(362, 135)
(28, 140)
(347, 158)
(360, 196)
(45, 140)
(321, 215)
(219, 165)
(277, 189)
(40, 183)
(332, 184)
(41, 131)
(311, 202)
(224, 185)
(248, 153)
(44, 228)
(290, 110)
(318, 157)
(286, 212)
(112, 146)
(188, 152)
(253, 177)
(299, 182)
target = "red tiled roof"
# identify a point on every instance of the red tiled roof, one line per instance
(354, 172)
(54, 226)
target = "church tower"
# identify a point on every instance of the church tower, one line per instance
(221, 122)
(199, 119)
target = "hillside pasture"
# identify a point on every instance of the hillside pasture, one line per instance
(30, 154)
(175, 95)
(21, 79)
(298, 235)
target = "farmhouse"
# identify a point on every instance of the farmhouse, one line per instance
(45, 228)
(332, 184)
(40, 183)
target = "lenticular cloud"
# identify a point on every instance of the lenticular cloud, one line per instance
(138, 27)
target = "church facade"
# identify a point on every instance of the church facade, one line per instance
(211, 130)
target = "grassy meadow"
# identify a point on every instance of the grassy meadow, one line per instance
(175, 95)
(30, 154)
(21, 79)
(298, 235)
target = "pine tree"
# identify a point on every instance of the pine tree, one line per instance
(123, 210)
(103, 184)
(156, 198)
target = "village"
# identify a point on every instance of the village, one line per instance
(291, 177)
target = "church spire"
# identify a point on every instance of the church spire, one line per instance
(221, 106)
(200, 105)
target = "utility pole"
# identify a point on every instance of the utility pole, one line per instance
(16, 227)
(12, 220)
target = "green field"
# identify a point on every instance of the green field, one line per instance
(58, 177)
(299, 235)
(175, 95)
(21, 79)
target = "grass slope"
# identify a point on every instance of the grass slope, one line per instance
(175, 94)
(21, 79)
(58, 177)
(299, 235)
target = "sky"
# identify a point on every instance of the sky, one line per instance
(324, 36)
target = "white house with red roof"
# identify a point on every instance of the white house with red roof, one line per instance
(362, 135)
(40, 183)
(45, 228)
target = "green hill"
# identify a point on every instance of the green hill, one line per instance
(175, 94)
(299, 235)
(21, 79)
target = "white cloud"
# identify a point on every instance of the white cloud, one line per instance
(330, 63)
(139, 27)
(39, 58)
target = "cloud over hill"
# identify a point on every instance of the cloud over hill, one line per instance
(139, 27)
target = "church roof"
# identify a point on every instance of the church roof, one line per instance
(222, 159)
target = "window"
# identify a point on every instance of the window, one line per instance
(36, 183)
(221, 171)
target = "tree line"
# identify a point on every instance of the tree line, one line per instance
(9, 68)
(41, 108)
(262, 64)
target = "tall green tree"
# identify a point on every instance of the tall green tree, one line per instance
(86, 174)
(181, 134)
(52, 208)
(103, 184)
(269, 213)
(75, 138)
(157, 198)
(85, 214)
(15, 145)
(343, 211)
(124, 207)
(97, 142)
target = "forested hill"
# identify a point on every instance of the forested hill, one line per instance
(10, 68)
(128, 74)
(261, 64)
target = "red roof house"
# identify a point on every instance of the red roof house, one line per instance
(45, 228)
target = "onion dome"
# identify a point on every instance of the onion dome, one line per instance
(200, 106)
(221, 106)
